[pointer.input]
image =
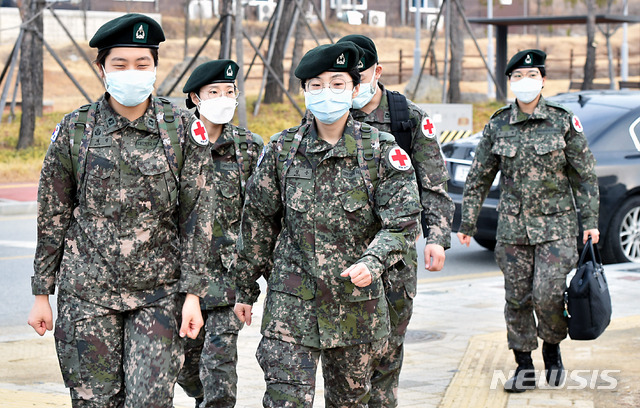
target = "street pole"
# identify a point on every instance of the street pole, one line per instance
(624, 49)
(242, 102)
(416, 50)
(491, 88)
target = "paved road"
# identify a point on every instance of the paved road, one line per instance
(18, 241)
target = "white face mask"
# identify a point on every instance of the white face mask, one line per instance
(130, 87)
(217, 110)
(367, 91)
(526, 89)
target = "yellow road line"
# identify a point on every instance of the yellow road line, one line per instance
(10, 258)
(22, 217)
(460, 277)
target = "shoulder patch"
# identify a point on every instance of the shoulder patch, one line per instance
(504, 108)
(577, 125)
(399, 159)
(199, 133)
(54, 135)
(428, 128)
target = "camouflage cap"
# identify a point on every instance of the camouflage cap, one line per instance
(339, 57)
(208, 73)
(130, 30)
(370, 53)
(526, 59)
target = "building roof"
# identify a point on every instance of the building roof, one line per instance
(557, 20)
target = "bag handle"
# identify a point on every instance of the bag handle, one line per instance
(592, 251)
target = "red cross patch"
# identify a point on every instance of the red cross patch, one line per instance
(199, 133)
(428, 128)
(399, 159)
(575, 122)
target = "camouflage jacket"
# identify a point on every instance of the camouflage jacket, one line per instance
(130, 233)
(545, 165)
(437, 206)
(324, 225)
(228, 175)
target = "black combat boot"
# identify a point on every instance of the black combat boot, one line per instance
(199, 401)
(525, 376)
(554, 370)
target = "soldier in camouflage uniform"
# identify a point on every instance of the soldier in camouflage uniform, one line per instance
(372, 106)
(546, 166)
(334, 202)
(209, 371)
(119, 233)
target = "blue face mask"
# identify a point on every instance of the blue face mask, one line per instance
(328, 106)
(130, 87)
(366, 94)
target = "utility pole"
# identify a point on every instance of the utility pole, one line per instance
(491, 89)
(242, 102)
(624, 49)
(416, 49)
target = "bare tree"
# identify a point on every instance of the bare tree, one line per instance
(298, 50)
(457, 53)
(30, 70)
(608, 32)
(273, 92)
(590, 63)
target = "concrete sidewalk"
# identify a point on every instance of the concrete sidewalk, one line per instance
(455, 356)
(456, 350)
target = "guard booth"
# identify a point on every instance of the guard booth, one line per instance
(453, 121)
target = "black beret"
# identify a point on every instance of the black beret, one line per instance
(208, 73)
(339, 57)
(526, 59)
(130, 30)
(370, 56)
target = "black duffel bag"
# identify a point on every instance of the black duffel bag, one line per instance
(587, 298)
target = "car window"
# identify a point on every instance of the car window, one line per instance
(603, 126)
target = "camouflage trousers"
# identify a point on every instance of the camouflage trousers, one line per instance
(209, 371)
(386, 376)
(110, 358)
(290, 373)
(535, 278)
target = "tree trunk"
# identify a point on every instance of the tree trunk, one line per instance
(590, 63)
(225, 32)
(30, 72)
(298, 51)
(457, 53)
(273, 93)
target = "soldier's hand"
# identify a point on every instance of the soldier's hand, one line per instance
(464, 238)
(359, 274)
(433, 257)
(243, 312)
(41, 317)
(594, 233)
(192, 320)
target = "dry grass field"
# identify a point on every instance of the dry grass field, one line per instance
(61, 96)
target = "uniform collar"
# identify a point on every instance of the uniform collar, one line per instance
(224, 141)
(113, 121)
(540, 112)
(344, 147)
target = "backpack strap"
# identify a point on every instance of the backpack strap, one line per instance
(289, 141)
(170, 139)
(83, 129)
(242, 154)
(368, 153)
(401, 123)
